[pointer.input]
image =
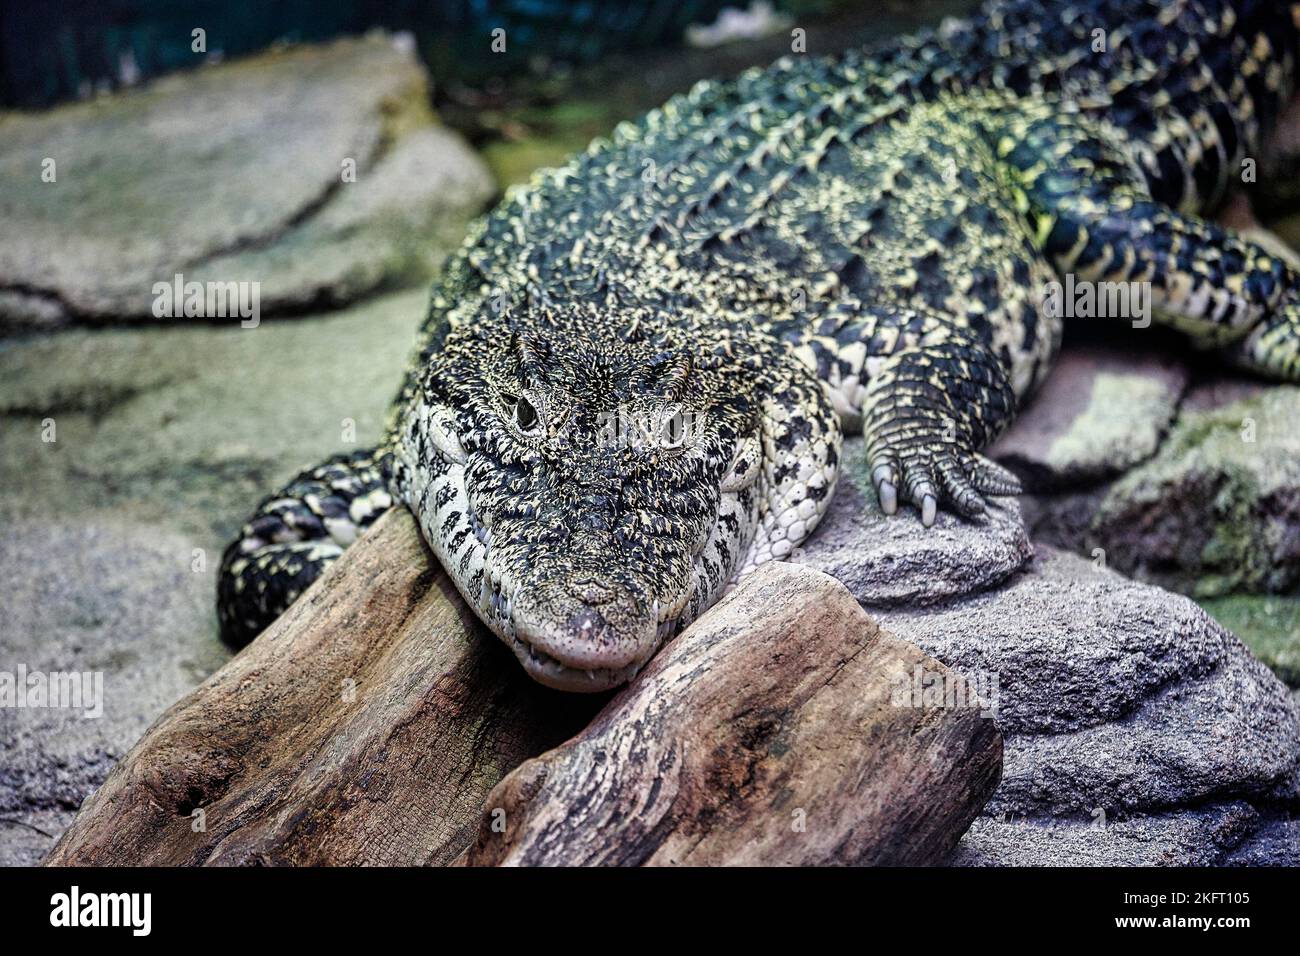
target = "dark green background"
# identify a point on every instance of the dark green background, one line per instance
(52, 50)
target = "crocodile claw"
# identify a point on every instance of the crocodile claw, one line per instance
(943, 476)
(883, 479)
(928, 507)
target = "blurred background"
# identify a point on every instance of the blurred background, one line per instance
(567, 71)
(57, 51)
(54, 51)
(333, 153)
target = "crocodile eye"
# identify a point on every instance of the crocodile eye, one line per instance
(673, 433)
(525, 415)
(522, 411)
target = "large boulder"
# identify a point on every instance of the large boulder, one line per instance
(191, 426)
(1137, 728)
(165, 440)
(1124, 708)
(1217, 510)
(889, 560)
(1101, 412)
(1209, 508)
(1212, 506)
(104, 199)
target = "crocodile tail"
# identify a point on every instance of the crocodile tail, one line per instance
(293, 536)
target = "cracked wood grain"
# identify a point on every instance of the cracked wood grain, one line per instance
(371, 723)
(365, 727)
(769, 733)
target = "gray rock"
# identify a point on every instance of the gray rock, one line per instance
(1276, 843)
(1232, 732)
(30, 310)
(190, 427)
(393, 227)
(1063, 519)
(148, 186)
(888, 560)
(1217, 510)
(1215, 513)
(1114, 698)
(1220, 391)
(1073, 645)
(1197, 837)
(97, 596)
(166, 439)
(1100, 412)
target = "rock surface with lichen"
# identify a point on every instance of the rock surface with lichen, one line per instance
(1217, 510)
(326, 178)
(1100, 413)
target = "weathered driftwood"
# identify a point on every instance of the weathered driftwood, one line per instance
(370, 723)
(780, 729)
(365, 727)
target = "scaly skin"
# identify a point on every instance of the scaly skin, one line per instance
(635, 374)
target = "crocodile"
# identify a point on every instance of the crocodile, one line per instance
(635, 375)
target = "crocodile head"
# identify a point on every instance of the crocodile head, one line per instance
(590, 485)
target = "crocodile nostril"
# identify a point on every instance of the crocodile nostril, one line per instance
(587, 624)
(591, 592)
(579, 635)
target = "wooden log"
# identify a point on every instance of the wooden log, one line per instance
(366, 726)
(777, 730)
(370, 723)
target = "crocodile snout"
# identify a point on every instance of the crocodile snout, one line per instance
(592, 640)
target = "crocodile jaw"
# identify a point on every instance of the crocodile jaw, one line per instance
(584, 551)
(574, 646)
(549, 672)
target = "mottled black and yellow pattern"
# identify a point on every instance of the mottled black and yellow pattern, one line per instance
(860, 241)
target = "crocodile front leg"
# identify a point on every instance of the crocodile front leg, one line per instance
(292, 537)
(928, 412)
